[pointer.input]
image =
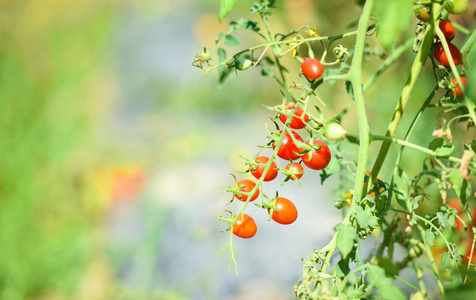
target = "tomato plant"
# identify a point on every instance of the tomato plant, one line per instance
(312, 68)
(284, 212)
(406, 207)
(245, 226)
(299, 119)
(258, 170)
(246, 186)
(440, 55)
(317, 159)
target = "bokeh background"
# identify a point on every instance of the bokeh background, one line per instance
(114, 150)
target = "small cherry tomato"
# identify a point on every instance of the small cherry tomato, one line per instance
(312, 68)
(317, 159)
(245, 226)
(296, 169)
(257, 171)
(423, 14)
(447, 29)
(299, 118)
(288, 149)
(285, 213)
(441, 57)
(457, 88)
(247, 185)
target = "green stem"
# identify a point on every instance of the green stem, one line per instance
(432, 261)
(355, 74)
(387, 139)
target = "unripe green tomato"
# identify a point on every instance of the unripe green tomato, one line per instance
(334, 131)
(459, 6)
(243, 64)
(278, 50)
(206, 56)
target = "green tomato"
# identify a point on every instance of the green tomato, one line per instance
(334, 131)
(206, 56)
(456, 7)
(243, 64)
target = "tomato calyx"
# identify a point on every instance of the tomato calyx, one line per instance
(243, 190)
(293, 171)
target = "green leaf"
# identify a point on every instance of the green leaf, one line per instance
(364, 218)
(345, 239)
(436, 143)
(225, 8)
(265, 71)
(383, 284)
(223, 71)
(444, 151)
(342, 268)
(461, 186)
(231, 40)
(246, 24)
(429, 238)
(332, 168)
(401, 197)
(415, 202)
(443, 220)
(349, 89)
(220, 36)
(445, 261)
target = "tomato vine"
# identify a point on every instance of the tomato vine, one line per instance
(370, 203)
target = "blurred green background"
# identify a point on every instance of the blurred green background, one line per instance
(114, 150)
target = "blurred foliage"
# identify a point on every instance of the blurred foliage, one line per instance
(50, 54)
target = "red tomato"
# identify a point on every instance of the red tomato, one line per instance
(441, 57)
(312, 68)
(248, 186)
(288, 149)
(296, 168)
(299, 119)
(447, 28)
(285, 212)
(317, 159)
(245, 226)
(257, 171)
(458, 91)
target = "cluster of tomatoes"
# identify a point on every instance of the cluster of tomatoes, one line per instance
(316, 156)
(439, 53)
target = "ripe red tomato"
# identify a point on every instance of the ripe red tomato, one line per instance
(447, 28)
(288, 149)
(312, 68)
(299, 119)
(248, 186)
(296, 168)
(441, 57)
(245, 226)
(257, 171)
(317, 159)
(458, 91)
(286, 211)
